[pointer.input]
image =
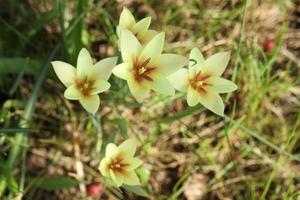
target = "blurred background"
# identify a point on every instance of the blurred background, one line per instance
(50, 148)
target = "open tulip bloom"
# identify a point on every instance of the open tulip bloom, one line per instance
(119, 163)
(85, 82)
(140, 29)
(145, 67)
(202, 81)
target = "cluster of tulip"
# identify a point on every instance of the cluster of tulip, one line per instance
(145, 68)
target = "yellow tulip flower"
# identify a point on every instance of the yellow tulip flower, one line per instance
(202, 81)
(85, 82)
(145, 67)
(119, 163)
(140, 29)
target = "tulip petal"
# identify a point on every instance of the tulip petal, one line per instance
(196, 58)
(216, 64)
(126, 18)
(90, 103)
(134, 163)
(84, 63)
(65, 72)
(139, 91)
(179, 80)
(128, 147)
(130, 46)
(103, 167)
(148, 35)
(213, 102)
(142, 26)
(100, 86)
(111, 150)
(192, 97)
(117, 178)
(103, 68)
(170, 63)
(163, 86)
(130, 178)
(123, 70)
(154, 48)
(220, 85)
(72, 93)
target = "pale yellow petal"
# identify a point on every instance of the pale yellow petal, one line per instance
(133, 163)
(128, 147)
(65, 72)
(126, 18)
(130, 178)
(170, 63)
(123, 70)
(72, 93)
(162, 86)
(154, 48)
(117, 178)
(130, 46)
(196, 58)
(100, 86)
(192, 97)
(213, 102)
(103, 167)
(111, 150)
(220, 85)
(148, 36)
(90, 103)
(138, 90)
(179, 80)
(142, 26)
(216, 64)
(103, 68)
(84, 63)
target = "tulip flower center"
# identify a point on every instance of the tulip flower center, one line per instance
(118, 164)
(85, 86)
(198, 82)
(142, 70)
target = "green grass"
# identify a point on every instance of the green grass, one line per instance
(251, 153)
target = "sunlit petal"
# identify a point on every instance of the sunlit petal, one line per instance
(65, 72)
(154, 48)
(90, 103)
(128, 147)
(142, 26)
(123, 70)
(139, 91)
(149, 35)
(196, 59)
(134, 163)
(111, 150)
(220, 85)
(126, 18)
(170, 63)
(103, 167)
(103, 68)
(192, 97)
(179, 80)
(72, 93)
(100, 86)
(213, 102)
(84, 63)
(130, 46)
(130, 178)
(162, 86)
(118, 179)
(216, 64)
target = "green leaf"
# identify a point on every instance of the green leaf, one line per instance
(189, 111)
(14, 65)
(138, 190)
(51, 183)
